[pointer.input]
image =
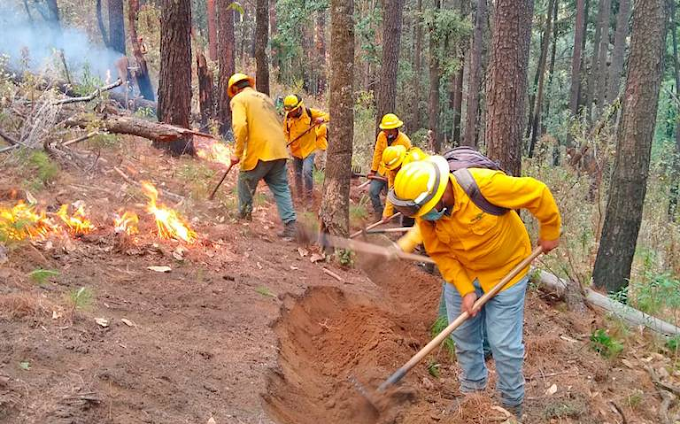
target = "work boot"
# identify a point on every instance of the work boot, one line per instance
(289, 230)
(246, 216)
(514, 410)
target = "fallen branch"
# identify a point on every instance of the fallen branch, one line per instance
(175, 197)
(79, 139)
(332, 274)
(620, 411)
(11, 140)
(662, 384)
(628, 314)
(92, 96)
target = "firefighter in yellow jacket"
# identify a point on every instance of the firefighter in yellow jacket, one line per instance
(474, 250)
(393, 158)
(390, 135)
(305, 133)
(261, 150)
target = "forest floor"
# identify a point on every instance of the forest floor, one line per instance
(246, 329)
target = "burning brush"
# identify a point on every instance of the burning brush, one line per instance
(77, 223)
(212, 150)
(127, 223)
(169, 223)
(23, 221)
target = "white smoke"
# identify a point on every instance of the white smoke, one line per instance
(36, 45)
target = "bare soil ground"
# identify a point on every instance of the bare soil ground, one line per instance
(244, 329)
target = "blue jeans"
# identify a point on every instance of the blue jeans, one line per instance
(374, 190)
(304, 175)
(274, 174)
(504, 318)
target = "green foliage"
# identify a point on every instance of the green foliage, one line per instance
(319, 177)
(673, 344)
(264, 291)
(660, 292)
(44, 170)
(145, 112)
(345, 257)
(604, 344)
(635, 399)
(448, 345)
(433, 368)
(198, 177)
(357, 212)
(80, 299)
(25, 365)
(41, 276)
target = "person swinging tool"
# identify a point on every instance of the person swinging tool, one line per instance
(393, 158)
(306, 133)
(261, 150)
(463, 213)
(388, 136)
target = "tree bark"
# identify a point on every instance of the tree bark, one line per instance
(417, 66)
(53, 18)
(616, 68)
(633, 150)
(507, 85)
(100, 21)
(261, 41)
(594, 64)
(142, 72)
(155, 131)
(116, 26)
(553, 53)
(675, 172)
(469, 139)
(205, 90)
(321, 50)
(579, 32)
(212, 30)
(335, 207)
(174, 86)
(226, 55)
(459, 80)
(273, 31)
(601, 87)
(433, 110)
(387, 89)
(536, 118)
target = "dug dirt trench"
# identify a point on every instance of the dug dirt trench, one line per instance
(330, 334)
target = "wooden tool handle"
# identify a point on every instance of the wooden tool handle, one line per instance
(401, 372)
(212, 195)
(375, 224)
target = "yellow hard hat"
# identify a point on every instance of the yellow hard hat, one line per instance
(390, 122)
(292, 102)
(393, 156)
(235, 79)
(414, 154)
(419, 186)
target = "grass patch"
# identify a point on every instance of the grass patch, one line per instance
(345, 257)
(319, 177)
(264, 291)
(79, 299)
(448, 345)
(41, 276)
(605, 344)
(566, 409)
(433, 368)
(198, 178)
(41, 167)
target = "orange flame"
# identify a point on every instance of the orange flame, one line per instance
(76, 223)
(126, 223)
(23, 221)
(169, 223)
(212, 150)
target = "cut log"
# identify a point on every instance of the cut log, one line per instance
(628, 314)
(154, 131)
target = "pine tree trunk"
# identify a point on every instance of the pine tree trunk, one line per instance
(321, 50)
(335, 206)
(579, 33)
(205, 90)
(675, 172)
(100, 21)
(433, 110)
(594, 64)
(261, 41)
(174, 86)
(601, 87)
(469, 139)
(616, 68)
(553, 53)
(532, 88)
(226, 51)
(536, 118)
(387, 89)
(53, 18)
(633, 150)
(417, 67)
(116, 26)
(506, 89)
(273, 32)
(212, 30)
(142, 72)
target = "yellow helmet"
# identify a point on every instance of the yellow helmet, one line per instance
(292, 102)
(414, 154)
(235, 79)
(393, 156)
(390, 122)
(419, 186)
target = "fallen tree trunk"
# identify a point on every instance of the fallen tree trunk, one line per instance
(628, 314)
(133, 126)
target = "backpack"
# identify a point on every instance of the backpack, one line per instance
(460, 160)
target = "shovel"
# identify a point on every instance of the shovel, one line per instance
(375, 224)
(401, 372)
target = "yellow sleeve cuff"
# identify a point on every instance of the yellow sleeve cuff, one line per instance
(549, 233)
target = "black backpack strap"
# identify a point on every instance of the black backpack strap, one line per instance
(469, 185)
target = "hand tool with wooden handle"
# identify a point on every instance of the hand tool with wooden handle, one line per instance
(373, 249)
(305, 132)
(375, 224)
(212, 195)
(401, 372)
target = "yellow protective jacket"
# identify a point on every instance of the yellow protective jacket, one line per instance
(257, 129)
(389, 208)
(381, 145)
(307, 144)
(471, 244)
